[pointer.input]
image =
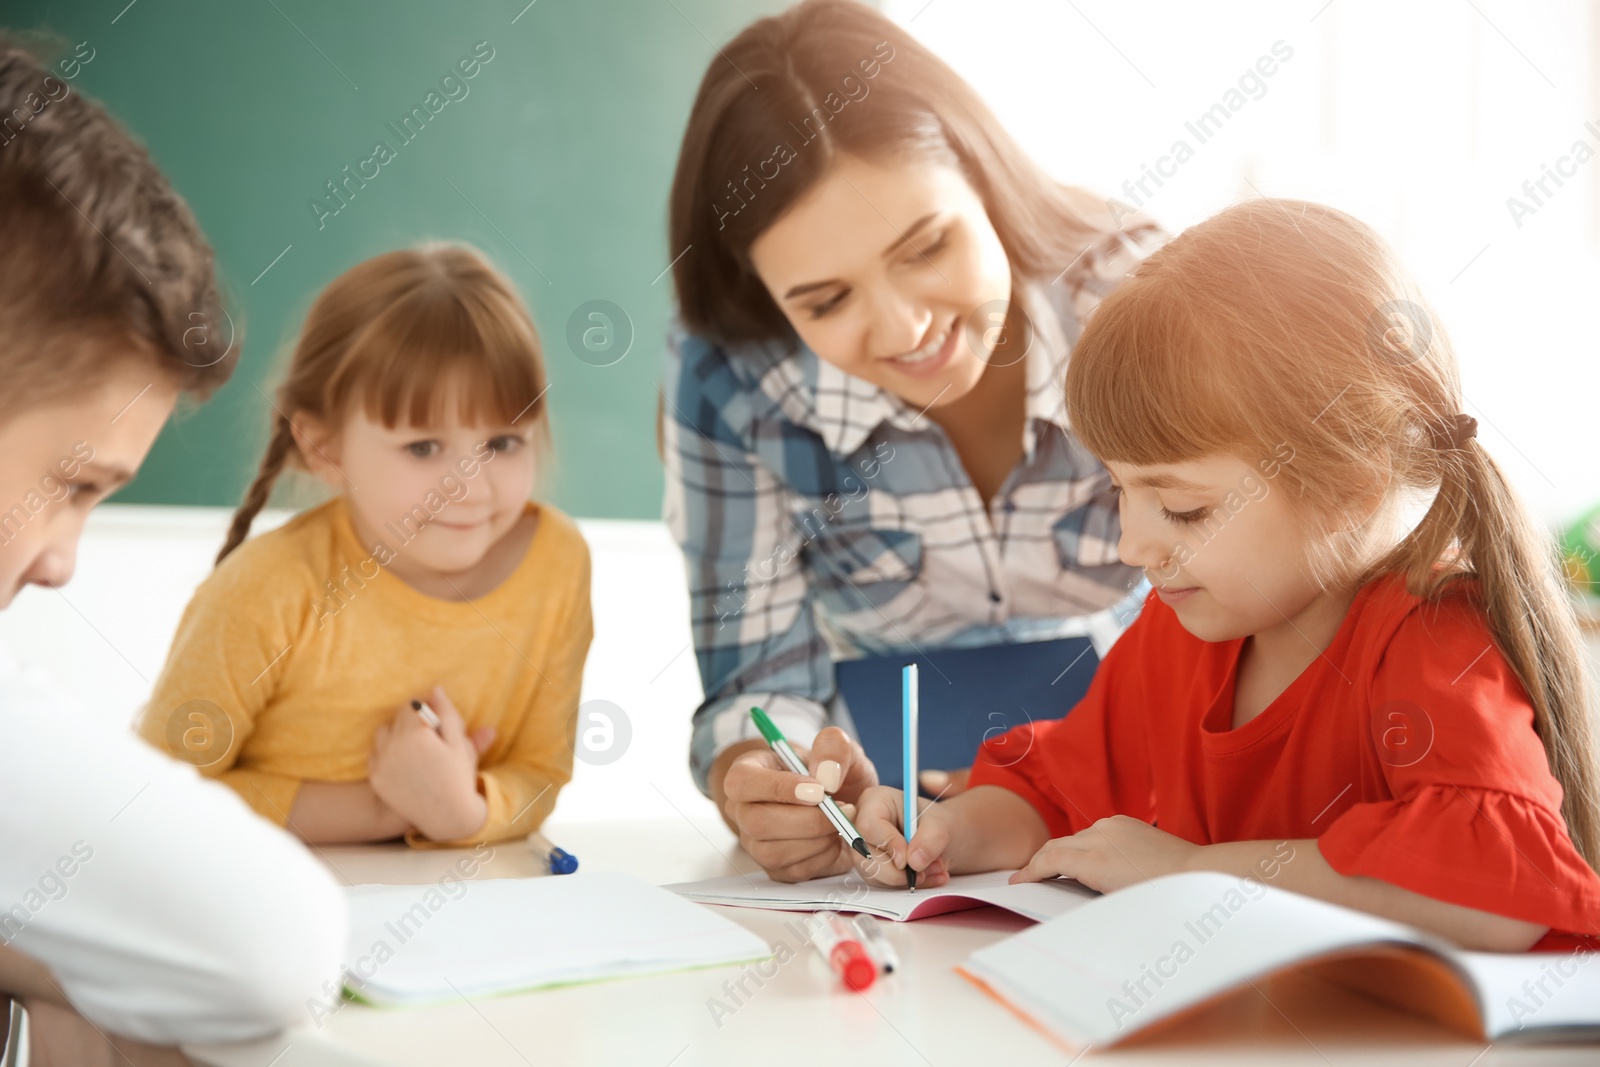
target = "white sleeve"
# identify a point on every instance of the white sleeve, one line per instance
(166, 909)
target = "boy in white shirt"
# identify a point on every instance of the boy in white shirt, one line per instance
(140, 905)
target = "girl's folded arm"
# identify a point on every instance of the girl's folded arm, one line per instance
(343, 813)
(991, 829)
(1307, 873)
(272, 796)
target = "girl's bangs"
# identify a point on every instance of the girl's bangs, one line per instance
(431, 353)
(1147, 385)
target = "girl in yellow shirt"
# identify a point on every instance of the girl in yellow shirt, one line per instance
(416, 392)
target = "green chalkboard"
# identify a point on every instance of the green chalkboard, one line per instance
(556, 161)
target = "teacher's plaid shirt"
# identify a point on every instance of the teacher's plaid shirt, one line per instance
(822, 518)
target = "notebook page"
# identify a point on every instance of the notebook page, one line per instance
(414, 944)
(1138, 955)
(849, 892)
(1530, 994)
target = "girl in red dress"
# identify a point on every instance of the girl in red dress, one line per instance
(1358, 676)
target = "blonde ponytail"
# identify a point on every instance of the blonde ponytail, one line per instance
(1481, 529)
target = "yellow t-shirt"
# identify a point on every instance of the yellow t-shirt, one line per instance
(300, 645)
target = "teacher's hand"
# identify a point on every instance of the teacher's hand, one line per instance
(775, 812)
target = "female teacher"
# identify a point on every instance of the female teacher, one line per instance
(863, 427)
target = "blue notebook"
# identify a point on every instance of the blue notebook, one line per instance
(967, 695)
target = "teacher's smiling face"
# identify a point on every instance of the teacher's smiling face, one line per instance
(882, 270)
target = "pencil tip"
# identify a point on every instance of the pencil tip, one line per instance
(861, 847)
(911, 879)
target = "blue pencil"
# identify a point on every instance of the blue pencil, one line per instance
(908, 708)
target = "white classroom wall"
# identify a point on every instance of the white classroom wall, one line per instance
(1424, 119)
(105, 635)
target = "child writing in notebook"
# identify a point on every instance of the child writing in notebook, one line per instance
(416, 392)
(1357, 675)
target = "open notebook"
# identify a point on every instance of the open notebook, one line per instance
(1148, 952)
(418, 944)
(847, 892)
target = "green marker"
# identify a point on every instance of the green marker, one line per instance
(791, 760)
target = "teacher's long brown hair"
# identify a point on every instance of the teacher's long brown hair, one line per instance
(789, 95)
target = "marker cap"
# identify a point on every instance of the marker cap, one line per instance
(853, 964)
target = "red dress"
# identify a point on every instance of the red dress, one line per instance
(1406, 749)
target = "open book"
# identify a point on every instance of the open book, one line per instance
(413, 944)
(850, 892)
(1113, 967)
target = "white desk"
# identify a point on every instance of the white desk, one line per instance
(924, 1015)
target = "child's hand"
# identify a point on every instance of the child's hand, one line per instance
(1113, 853)
(878, 815)
(944, 784)
(430, 778)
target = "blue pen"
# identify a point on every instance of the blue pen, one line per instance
(560, 861)
(908, 709)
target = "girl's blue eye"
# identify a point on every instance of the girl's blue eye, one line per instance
(505, 442)
(422, 449)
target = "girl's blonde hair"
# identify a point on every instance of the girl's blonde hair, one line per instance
(389, 334)
(1283, 322)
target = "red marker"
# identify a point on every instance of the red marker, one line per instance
(846, 955)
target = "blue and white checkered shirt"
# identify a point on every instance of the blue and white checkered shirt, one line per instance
(822, 518)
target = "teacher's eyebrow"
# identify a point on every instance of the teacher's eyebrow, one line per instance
(910, 232)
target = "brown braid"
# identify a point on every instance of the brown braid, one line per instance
(272, 464)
